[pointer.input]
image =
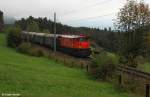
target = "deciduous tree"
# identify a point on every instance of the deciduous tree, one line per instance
(132, 19)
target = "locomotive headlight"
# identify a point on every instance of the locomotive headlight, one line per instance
(80, 46)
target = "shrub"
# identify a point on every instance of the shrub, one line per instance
(103, 66)
(33, 26)
(13, 37)
(46, 31)
(24, 47)
(27, 48)
(36, 52)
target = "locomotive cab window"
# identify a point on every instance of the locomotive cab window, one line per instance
(83, 39)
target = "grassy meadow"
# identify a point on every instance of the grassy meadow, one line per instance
(42, 77)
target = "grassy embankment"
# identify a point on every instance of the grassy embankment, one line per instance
(42, 77)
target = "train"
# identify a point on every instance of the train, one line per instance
(76, 45)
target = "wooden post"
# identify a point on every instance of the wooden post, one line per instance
(54, 32)
(147, 90)
(28, 39)
(64, 61)
(81, 65)
(87, 68)
(120, 79)
(72, 64)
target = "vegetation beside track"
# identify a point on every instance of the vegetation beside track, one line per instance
(145, 67)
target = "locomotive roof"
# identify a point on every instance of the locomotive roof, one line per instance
(70, 36)
(52, 35)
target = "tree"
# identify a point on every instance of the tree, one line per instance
(147, 43)
(132, 18)
(33, 26)
(46, 31)
(14, 37)
(1, 21)
(109, 29)
(103, 65)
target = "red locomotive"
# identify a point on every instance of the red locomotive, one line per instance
(76, 45)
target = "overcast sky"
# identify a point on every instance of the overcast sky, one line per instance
(91, 13)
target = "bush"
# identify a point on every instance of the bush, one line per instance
(33, 26)
(46, 31)
(36, 52)
(103, 66)
(24, 47)
(27, 48)
(13, 37)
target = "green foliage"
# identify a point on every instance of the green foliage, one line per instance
(145, 67)
(36, 52)
(147, 41)
(32, 27)
(46, 31)
(104, 57)
(13, 36)
(104, 65)
(1, 21)
(27, 48)
(24, 47)
(1, 17)
(132, 19)
(133, 16)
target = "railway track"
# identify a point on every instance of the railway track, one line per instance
(135, 72)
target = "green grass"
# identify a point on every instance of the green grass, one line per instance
(145, 67)
(42, 77)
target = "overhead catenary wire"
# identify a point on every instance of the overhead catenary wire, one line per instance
(106, 1)
(83, 8)
(93, 17)
(89, 19)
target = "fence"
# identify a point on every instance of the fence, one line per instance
(136, 73)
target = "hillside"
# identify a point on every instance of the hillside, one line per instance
(42, 77)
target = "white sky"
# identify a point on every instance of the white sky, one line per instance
(71, 12)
